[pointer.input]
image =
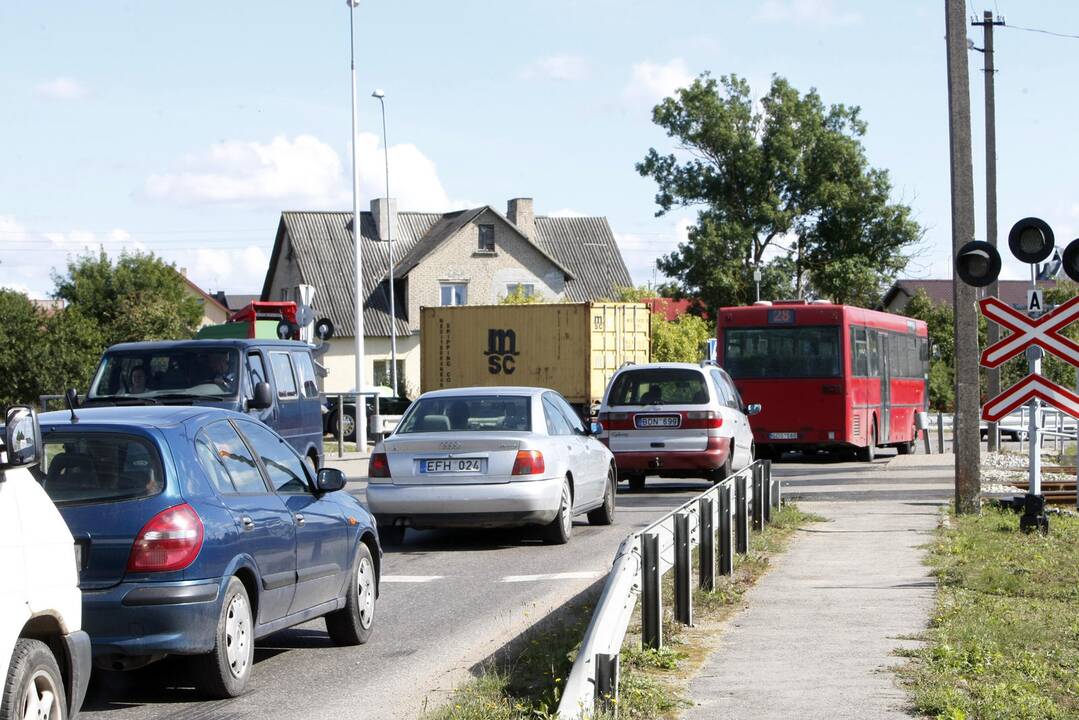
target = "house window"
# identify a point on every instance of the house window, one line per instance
(284, 294)
(383, 379)
(487, 238)
(525, 289)
(454, 294)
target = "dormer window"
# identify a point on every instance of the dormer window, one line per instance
(487, 238)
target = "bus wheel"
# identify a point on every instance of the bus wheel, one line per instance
(869, 452)
(908, 447)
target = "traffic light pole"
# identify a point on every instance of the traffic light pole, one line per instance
(1034, 517)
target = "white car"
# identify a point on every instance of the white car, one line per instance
(676, 420)
(491, 457)
(44, 653)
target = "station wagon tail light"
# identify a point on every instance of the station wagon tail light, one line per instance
(528, 462)
(379, 466)
(616, 421)
(702, 420)
(170, 541)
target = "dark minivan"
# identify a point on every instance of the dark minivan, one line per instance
(271, 380)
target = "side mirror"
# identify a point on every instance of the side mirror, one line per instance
(595, 428)
(753, 409)
(263, 397)
(22, 438)
(330, 480)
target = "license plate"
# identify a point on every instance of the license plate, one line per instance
(658, 421)
(783, 436)
(452, 465)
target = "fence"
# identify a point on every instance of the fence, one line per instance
(719, 522)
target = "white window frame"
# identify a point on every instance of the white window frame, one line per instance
(446, 284)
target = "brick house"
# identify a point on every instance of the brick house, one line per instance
(466, 257)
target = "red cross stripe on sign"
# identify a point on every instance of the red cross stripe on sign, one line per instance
(1043, 331)
(1030, 387)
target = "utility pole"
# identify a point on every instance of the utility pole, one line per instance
(993, 331)
(965, 429)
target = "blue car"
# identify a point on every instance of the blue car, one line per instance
(200, 531)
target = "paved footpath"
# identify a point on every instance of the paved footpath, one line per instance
(818, 634)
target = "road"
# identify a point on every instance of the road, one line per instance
(449, 600)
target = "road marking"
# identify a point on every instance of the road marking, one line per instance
(584, 575)
(410, 578)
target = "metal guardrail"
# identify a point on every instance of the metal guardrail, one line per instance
(718, 519)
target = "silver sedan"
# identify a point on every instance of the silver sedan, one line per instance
(491, 457)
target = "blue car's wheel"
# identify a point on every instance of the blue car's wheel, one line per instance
(224, 671)
(352, 624)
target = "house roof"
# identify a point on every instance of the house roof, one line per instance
(583, 248)
(1013, 292)
(670, 308)
(206, 297)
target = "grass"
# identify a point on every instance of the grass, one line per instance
(527, 684)
(1004, 639)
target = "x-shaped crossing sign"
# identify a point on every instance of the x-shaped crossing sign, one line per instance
(1043, 332)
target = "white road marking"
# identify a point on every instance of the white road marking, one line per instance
(410, 578)
(584, 575)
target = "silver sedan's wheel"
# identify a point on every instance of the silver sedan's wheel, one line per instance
(604, 514)
(559, 529)
(34, 688)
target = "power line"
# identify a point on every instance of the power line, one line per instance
(1043, 32)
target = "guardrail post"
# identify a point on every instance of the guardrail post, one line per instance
(768, 486)
(606, 700)
(741, 516)
(651, 596)
(726, 557)
(940, 432)
(340, 426)
(707, 531)
(683, 571)
(757, 506)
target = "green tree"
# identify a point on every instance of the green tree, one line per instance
(139, 297)
(520, 297)
(788, 181)
(679, 340)
(21, 330)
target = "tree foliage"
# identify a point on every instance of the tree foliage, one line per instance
(679, 340)
(785, 187)
(520, 297)
(139, 297)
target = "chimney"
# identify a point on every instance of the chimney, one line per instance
(384, 213)
(520, 213)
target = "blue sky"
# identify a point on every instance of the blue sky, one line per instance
(185, 128)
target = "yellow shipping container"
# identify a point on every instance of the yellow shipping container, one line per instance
(573, 348)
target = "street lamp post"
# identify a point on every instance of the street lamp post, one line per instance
(357, 236)
(757, 281)
(381, 96)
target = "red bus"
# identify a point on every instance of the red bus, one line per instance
(826, 376)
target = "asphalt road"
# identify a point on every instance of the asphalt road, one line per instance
(449, 599)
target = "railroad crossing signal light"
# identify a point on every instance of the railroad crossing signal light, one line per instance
(978, 263)
(1071, 260)
(1031, 240)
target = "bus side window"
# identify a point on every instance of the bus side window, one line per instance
(859, 361)
(874, 352)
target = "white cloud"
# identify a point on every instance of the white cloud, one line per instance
(651, 82)
(62, 88)
(565, 212)
(641, 250)
(303, 173)
(816, 12)
(556, 67)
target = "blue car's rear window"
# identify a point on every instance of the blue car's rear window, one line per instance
(92, 467)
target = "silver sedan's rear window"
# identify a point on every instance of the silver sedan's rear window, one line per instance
(467, 413)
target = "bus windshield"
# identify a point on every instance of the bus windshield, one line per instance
(782, 352)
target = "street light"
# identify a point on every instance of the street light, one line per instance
(357, 236)
(381, 96)
(757, 280)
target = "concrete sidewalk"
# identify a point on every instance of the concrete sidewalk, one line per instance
(818, 635)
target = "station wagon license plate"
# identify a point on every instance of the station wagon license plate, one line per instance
(658, 421)
(783, 436)
(452, 465)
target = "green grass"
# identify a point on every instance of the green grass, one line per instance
(1004, 639)
(526, 684)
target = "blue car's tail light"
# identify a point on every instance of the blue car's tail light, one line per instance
(170, 541)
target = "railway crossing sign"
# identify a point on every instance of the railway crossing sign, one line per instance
(1030, 387)
(1026, 331)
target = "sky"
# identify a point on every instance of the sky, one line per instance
(186, 128)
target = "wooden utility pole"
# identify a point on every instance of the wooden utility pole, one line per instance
(965, 428)
(993, 331)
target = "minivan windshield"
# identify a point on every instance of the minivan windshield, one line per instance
(659, 386)
(467, 413)
(98, 467)
(177, 373)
